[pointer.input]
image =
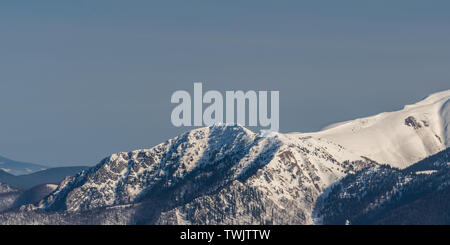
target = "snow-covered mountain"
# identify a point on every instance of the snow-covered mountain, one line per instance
(218, 164)
(398, 138)
(231, 175)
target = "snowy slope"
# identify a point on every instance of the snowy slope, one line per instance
(397, 138)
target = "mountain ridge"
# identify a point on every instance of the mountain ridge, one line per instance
(226, 174)
(282, 171)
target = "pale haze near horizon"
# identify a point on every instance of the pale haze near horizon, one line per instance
(81, 80)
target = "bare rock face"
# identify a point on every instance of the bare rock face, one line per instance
(412, 122)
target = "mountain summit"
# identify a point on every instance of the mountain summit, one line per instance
(278, 177)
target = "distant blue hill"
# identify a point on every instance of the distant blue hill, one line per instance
(48, 176)
(19, 168)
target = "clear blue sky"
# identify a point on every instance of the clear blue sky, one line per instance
(82, 79)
